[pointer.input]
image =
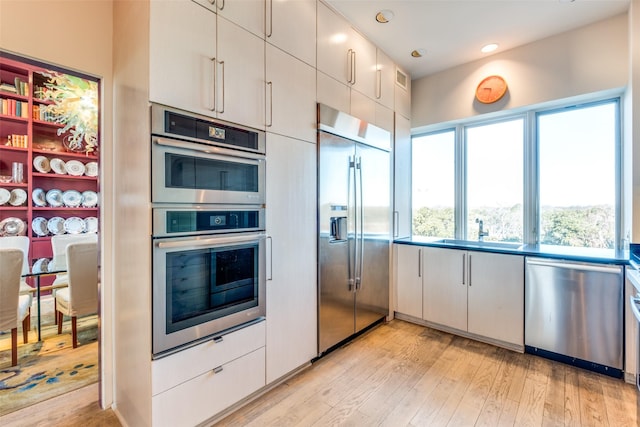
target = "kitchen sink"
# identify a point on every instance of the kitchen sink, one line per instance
(479, 244)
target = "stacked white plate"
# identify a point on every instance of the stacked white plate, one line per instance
(74, 225)
(89, 199)
(74, 167)
(58, 166)
(91, 224)
(12, 227)
(56, 225)
(54, 198)
(18, 197)
(38, 197)
(5, 195)
(39, 226)
(41, 163)
(71, 198)
(91, 169)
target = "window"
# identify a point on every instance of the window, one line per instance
(566, 189)
(433, 191)
(494, 184)
(577, 174)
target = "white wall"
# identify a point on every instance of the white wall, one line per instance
(590, 59)
(77, 35)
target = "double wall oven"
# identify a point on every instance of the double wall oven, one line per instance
(208, 236)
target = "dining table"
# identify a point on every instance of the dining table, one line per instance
(36, 275)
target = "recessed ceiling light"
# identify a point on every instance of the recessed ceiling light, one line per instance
(418, 53)
(489, 48)
(384, 16)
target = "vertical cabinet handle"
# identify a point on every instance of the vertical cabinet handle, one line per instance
(270, 121)
(270, 20)
(378, 83)
(419, 262)
(464, 268)
(212, 105)
(396, 223)
(470, 270)
(221, 110)
(350, 66)
(223, 2)
(270, 254)
(353, 67)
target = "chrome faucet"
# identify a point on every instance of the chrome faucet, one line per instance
(481, 231)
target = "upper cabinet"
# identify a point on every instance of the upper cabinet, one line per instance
(210, 66)
(385, 80)
(344, 54)
(291, 26)
(248, 14)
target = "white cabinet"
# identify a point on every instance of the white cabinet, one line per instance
(203, 63)
(477, 292)
(195, 384)
(291, 96)
(240, 76)
(333, 93)
(385, 80)
(249, 14)
(402, 177)
(291, 286)
(291, 26)
(496, 296)
(182, 57)
(445, 287)
(345, 54)
(409, 273)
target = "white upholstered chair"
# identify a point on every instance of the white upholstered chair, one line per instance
(14, 308)
(59, 245)
(22, 243)
(80, 298)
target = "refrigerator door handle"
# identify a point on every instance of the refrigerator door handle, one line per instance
(360, 223)
(351, 261)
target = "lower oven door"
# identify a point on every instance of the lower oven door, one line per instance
(204, 285)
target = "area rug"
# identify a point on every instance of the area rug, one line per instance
(50, 367)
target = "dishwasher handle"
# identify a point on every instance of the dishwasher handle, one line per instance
(575, 266)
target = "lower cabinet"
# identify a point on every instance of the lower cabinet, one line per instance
(480, 294)
(195, 384)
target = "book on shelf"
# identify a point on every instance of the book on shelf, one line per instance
(6, 87)
(21, 86)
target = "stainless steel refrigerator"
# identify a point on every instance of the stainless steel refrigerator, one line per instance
(354, 218)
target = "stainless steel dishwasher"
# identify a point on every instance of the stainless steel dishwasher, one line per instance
(574, 313)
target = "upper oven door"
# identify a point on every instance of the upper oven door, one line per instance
(185, 172)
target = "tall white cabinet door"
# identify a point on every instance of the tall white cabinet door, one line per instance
(249, 14)
(496, 296)
(333, 93)
(409, 280)
(291, 224)
(445, 287)
(333, 44)
(402, 177)
(291, 96)
(365, 64)
(291, 25)
(385, 80)
(240, 76)
(181, 57)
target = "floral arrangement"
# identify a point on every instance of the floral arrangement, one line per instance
(75, 105)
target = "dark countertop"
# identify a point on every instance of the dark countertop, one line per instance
(603, 256)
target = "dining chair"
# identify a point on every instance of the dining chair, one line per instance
(80, 298)
(59, 245)
(14, 308)
(22, 243)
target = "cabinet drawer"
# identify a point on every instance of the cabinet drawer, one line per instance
(189, 363)
(201, 398)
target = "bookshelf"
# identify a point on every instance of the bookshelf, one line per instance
(29, 132)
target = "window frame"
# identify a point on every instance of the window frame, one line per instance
(531, 165)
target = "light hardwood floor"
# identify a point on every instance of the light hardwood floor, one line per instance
(400, 374)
